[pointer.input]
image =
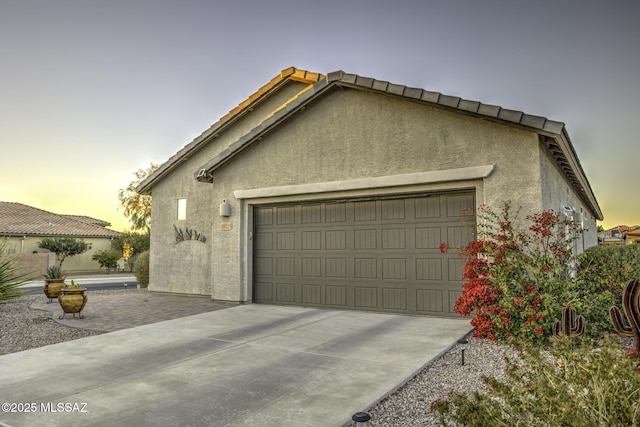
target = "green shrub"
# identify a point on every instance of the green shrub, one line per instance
(107, 259)
(54, 272)
(10, 276)
(141, 269)
(602, 274)
(608, 267)
(561, 387)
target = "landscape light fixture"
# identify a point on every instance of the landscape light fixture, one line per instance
(463, 346)
(361, 418)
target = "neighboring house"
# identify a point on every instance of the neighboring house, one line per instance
(22, 227)
(620, 235)
(337, 191)
(632, 236)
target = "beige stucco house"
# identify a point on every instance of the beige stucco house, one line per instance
(336, 191)
(22, 227)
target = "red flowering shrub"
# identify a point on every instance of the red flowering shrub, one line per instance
(517, 280)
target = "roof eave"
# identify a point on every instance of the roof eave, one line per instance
(538, 124)
(548, 128)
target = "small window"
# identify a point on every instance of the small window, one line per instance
(182, 209)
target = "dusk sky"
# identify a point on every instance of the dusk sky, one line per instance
(94, 90)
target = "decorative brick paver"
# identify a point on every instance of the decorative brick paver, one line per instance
(108, 312)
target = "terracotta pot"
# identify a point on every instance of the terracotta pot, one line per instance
(72, 300)
(52, 288)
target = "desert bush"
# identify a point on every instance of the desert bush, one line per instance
(608, 267)
(11, 278)
(561, 386)
(107, 259)
(518, 277)
(602, 272)
(141, 269)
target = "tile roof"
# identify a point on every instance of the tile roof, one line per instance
(553, 133)
(89, 220)
(17, 219)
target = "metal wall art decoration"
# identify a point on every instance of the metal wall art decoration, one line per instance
(188, 234)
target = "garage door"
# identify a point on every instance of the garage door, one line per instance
(377, 255)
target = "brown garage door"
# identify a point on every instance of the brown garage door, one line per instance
(378, 255)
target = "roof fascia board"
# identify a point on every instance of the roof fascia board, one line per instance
(583, 183)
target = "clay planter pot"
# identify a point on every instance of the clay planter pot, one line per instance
(52, 288)
(72, 301)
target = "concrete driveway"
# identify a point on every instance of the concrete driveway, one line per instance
(255, 365)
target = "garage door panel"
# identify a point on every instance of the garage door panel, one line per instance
(457, 236)
(263, 292)
(336, 295)
(312, 267)
(286, 241)
(429, 269)
(394, 238)
(335, 240)
(381, 255)
(335, 212)
(285, 266)
(365, 211)
(311, 214)
(394, 268)
(365, 239)
(455, 269)
(263, 266)
(365, 268)
(365, 297)
(335, 267)
(263, 216)
(394, 299)
(428, 237)
(393, 209)
(458, 204)
(286, 292)
(427, 207)
(311, 240)
(430, 301)
(285, 215)
(263, 241)
(311, 294)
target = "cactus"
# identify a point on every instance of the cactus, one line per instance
(631, 306)
(571, 326)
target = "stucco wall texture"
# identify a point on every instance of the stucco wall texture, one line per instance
(345, 135)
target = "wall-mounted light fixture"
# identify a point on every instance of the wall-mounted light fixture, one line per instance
(225, 208)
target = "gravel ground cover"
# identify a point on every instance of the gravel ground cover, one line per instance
(23, 328)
